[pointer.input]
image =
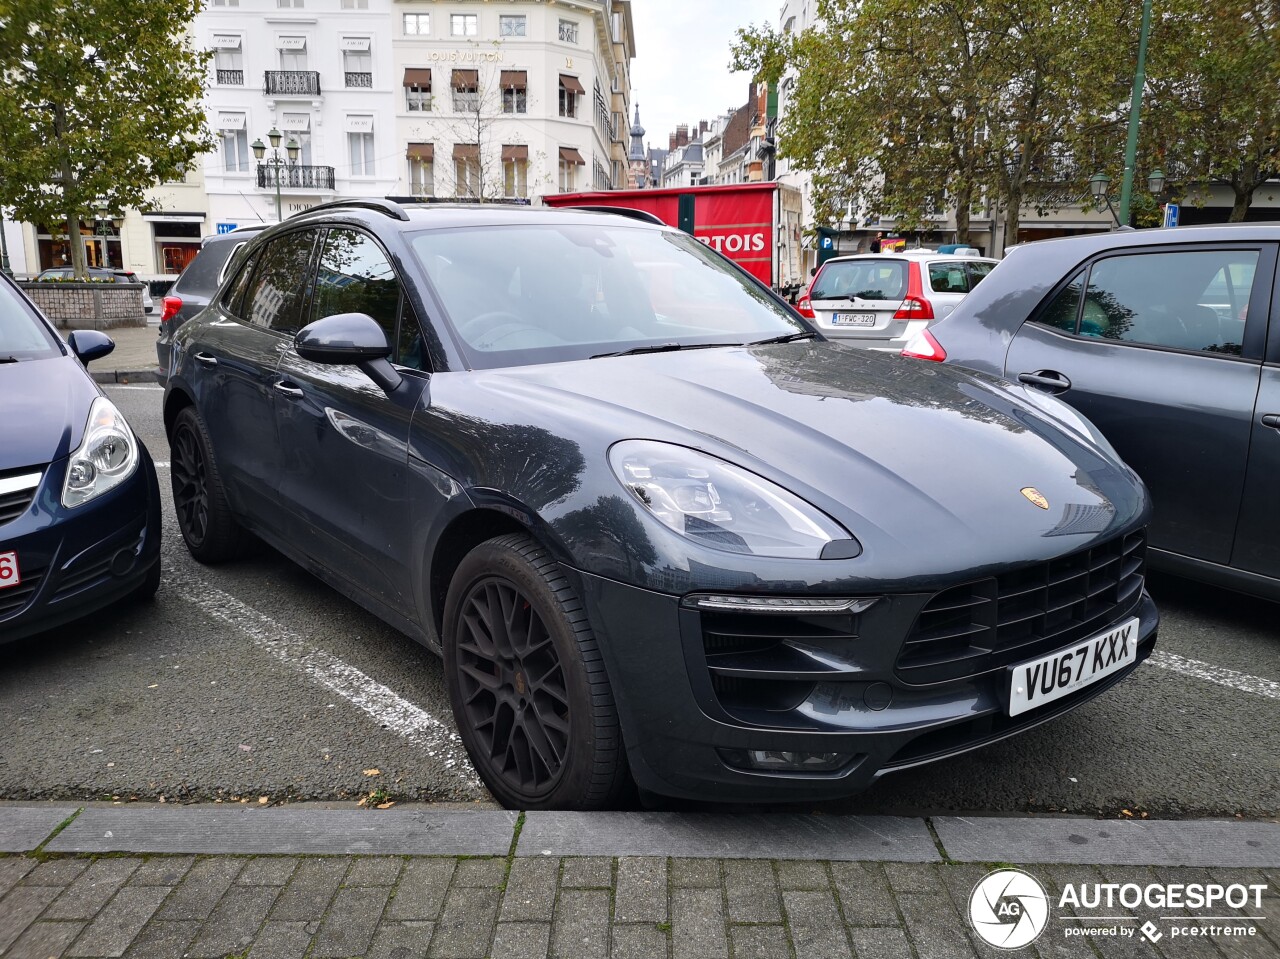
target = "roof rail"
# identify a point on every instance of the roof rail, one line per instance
(389, 207)
(629, 212)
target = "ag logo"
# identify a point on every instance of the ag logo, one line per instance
(1008, 909)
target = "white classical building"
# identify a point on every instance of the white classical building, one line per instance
(403, 98)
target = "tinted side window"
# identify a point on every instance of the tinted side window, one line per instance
(1175, 300)
(233, 297)
(1064, 309)
(948, 277)
(276, 294)
(354, 276)
(978, 271)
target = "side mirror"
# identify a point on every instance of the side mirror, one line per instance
(89, 345)
(349, 339)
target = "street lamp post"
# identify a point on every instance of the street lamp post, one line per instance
(1135, 110)
(1100, 182)
(102, 223)
(4, 249)
(277, 162)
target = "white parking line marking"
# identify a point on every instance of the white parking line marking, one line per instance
(122, 386)
(368, 695)
(1216, 674)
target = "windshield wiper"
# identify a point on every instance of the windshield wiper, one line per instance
(784, 338)
(9, 359)
(662, 348)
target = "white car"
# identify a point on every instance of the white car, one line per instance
(881, 300)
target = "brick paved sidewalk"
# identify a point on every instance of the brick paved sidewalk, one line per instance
(274, 907)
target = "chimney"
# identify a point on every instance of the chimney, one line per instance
(682, 135)
(671, 143)
(703, 126)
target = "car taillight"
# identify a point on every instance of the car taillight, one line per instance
(914, 305)
(805, 307)
(924, 346)
(172, 304)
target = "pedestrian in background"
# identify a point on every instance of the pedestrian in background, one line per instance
(875, 242)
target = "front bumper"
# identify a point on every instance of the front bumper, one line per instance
(76, 561)
(683, 734)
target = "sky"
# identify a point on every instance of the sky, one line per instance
(681, 70)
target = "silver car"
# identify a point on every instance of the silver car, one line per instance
(881, 300)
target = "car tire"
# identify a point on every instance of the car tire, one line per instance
(210, 531)
(530, 694)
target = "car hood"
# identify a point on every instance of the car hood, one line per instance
(899, 452)
(46, 403)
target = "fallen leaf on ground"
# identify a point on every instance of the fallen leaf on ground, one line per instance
(373, 772)
(385, 805)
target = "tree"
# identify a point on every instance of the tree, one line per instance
(99, 101)
(1212, 114)
(905, 106)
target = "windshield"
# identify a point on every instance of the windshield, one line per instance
(870, 279)
(519, 295)
(22, 336)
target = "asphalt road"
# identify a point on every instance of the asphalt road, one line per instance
(254, 680)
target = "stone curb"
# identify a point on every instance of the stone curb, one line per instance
(125, 376)
(433, 831)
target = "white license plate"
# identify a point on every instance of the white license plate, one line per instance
(853, 319)
(1040, 681)
(9, 575)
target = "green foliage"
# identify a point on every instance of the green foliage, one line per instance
(911, 107)
(99, 101)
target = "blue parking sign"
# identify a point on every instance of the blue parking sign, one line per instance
(226, 227)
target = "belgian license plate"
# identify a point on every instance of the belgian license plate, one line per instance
(1040, 681)
(853, 319)
(9, 575)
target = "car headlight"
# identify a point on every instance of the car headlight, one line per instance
(720, 505)
(106, 457)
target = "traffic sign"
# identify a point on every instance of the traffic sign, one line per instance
(226, 227)
(1171, 214)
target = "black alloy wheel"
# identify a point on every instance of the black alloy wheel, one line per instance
(513, 686)
(529, 692)
(208, 528)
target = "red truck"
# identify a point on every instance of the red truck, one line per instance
(757, 225)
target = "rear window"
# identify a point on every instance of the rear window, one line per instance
(204, 273)
(870, 279)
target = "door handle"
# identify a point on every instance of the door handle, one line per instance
(1050, 381)
(1272, 420)
(284, 388)
(205, 359)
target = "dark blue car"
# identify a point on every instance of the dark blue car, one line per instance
(79, 504)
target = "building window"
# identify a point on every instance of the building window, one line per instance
(226, 3)
(297, 126)
(568, 31)
(357, 65)
(515, 171)
(294, 57)
(569, 90)
(466, 170)
(417, 89)
(289, 4)
(514, 85)
(355, 4)
(463, 24)
(360, 148)
(422, 169)
(417, 24)
(228, 61)
(568, 176)
(466, 91)
(235, 150)
(511, 26)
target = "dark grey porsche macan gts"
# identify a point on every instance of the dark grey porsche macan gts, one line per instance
(656, 526)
